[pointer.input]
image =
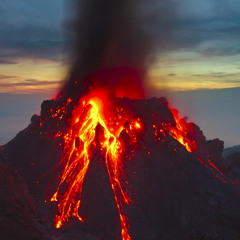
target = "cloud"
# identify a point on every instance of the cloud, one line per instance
(30, 29)
(28, 82)
(29, 42)
(209, 27)
(4, 61)
(3, 77)
(218, 75)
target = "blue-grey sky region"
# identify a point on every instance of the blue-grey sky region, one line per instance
(16, 111)
(30, 29)
(34, 28)
(196, 43)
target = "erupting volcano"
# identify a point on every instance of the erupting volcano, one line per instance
(158, 167)
(104, 162)
(89, 129)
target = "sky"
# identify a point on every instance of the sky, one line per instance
(196, 63)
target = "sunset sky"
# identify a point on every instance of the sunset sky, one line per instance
(201, 59)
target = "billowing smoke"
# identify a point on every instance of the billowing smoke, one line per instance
(114, 41)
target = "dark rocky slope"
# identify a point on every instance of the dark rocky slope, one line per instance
(175, 196)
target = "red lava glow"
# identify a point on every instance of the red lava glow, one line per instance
(83, 135)
(127, 82)
(183, 132)
(76, 157)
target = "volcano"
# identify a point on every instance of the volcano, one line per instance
(101, 162)
(134, 171)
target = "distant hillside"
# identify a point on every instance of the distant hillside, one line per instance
(228, 151)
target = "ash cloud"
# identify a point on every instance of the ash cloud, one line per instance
(110, 34)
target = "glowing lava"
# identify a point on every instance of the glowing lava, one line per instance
(88, 129)
(78, 142)
(183, 132)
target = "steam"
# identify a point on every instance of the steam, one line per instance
(115, 34)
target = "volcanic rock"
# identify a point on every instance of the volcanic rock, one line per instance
(19, 217)
(176, 194)
(233, 165)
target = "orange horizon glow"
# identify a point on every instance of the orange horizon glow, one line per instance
(170, 73)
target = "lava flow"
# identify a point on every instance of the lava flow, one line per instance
(184, 133)
(78, 142)
(89, 129)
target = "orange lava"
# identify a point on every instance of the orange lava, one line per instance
(78, 142)
(183, 132)
(82, 137)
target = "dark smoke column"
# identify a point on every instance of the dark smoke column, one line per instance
(110, 48)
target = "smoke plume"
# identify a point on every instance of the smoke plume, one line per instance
(114, 41)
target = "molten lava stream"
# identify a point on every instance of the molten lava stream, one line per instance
(181, 132)
(76, 157)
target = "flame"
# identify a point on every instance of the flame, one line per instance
(76, 158)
